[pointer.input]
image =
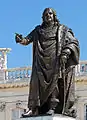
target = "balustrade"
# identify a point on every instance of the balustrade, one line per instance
(23, 73)
(17, 74)
(81, 69)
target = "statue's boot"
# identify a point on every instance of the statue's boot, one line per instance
(50, 112)
(31, 112)
(54, 102)
(27, 114)
(72, 112)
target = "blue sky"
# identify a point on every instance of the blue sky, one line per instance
(22, 16)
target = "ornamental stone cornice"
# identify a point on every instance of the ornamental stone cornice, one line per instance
(13, 85)
(80, 80)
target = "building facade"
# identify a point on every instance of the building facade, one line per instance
(14, 89)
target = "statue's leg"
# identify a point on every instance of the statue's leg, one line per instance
(70, 108)
(53, 101)
(59, 107)
(33, 99)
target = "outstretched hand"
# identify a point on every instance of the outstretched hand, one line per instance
(18, 38)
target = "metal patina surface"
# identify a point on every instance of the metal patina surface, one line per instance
(55, 55)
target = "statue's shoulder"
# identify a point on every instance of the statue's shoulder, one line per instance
(63, 27)
(38, 27)
(66, 29)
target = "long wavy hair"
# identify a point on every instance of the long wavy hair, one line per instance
(56, 21)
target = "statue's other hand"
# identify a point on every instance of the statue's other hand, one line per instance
(63, 59)
(18, 38)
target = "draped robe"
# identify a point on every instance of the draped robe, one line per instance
(48, 44)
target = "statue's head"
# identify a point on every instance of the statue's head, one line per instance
(49, 15)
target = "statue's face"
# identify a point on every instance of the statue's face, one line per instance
(48, 16)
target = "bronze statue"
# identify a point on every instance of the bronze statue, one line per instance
(55, 55)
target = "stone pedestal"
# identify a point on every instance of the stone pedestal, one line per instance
(55, 117)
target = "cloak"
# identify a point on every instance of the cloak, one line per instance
(48, 46)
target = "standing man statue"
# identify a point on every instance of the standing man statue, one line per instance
(55, 55)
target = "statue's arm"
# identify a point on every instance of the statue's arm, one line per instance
(21, 40)
(69, 41)
(71, 46)
(25, 40)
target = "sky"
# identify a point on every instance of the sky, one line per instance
(21, 16)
